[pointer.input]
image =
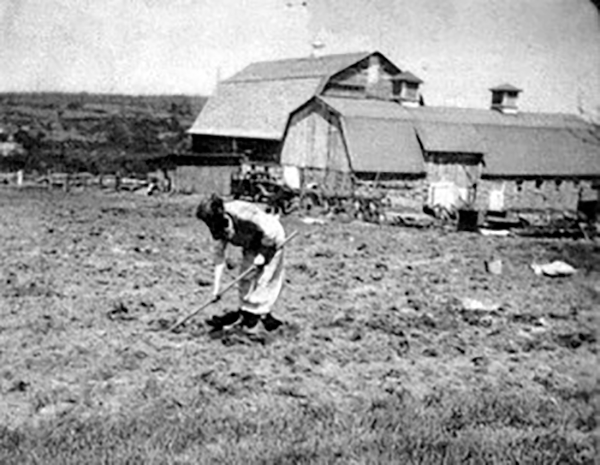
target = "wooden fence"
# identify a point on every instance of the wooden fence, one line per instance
(82, 181)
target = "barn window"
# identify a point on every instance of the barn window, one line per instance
(538, 183)
(410, 90)
(511, 99)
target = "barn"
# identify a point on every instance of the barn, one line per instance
(249, 111)
(246, 118)
(338, 119)
(490, 159)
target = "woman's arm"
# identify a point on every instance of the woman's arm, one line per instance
(217, 278)
(219, 260)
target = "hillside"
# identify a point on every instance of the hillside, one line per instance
(96, 132)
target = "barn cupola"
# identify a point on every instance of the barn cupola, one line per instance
(504, 98)
(405, 89)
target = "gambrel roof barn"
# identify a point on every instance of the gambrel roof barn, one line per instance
(361, 114)
(249, 111)
(392, 138)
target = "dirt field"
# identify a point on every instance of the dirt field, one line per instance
(396, 343)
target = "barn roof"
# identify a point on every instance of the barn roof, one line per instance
(257, 109)
(382, 145)
(506, 88)
(363, 108)
(527, 151)
(525, 144)
(454, 138)
(451, 115)
(257, 101)
(407, 76)
(297, 68)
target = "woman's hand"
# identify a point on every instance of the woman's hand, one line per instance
(217, 279)
(259, 260)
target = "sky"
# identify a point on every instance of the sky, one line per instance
(460, 48)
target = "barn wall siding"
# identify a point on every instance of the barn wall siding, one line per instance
(532, 195)
(314, 144)
(365, 79)
(203, 179)
(330, 182)
(464, 175)
(406, 194)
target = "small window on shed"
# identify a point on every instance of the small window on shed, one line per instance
(511, 99)
(496, 98)
(410, 90)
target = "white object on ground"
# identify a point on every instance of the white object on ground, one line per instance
(308, 220)
(494, 232)
(476, 305)
(554, 269)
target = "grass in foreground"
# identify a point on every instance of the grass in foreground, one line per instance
(488, 425)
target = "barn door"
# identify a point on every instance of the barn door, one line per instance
(454, 178)
(291, 176)
(496, 199)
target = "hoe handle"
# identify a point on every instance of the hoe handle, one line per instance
(227, 287)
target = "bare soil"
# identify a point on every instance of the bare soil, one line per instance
(89, 280)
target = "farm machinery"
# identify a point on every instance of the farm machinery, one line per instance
(262, 187)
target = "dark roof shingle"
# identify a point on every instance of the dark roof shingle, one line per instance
(297, 68)
(257, 101)
(530, 152)
(253, 109)
(525, 144)
(382, 146)
(450, 138)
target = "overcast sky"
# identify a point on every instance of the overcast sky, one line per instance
(460, 48)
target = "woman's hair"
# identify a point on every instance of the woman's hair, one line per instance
(210, 207)
(212, 211)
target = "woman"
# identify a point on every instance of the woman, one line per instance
(261, 237)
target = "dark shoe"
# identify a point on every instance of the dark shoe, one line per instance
(220, 321)
(271, 323)
(249, 320)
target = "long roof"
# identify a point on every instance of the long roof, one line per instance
(297, 68)
(257, 109)
(257, 101)
(518, 151)
(525, 144)
(374, 145)
(450, 115)
(444, 137)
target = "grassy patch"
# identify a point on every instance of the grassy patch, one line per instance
(488, 425)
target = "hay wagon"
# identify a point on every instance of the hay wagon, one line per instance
(360, 203)
(262, 187)
(363, 203)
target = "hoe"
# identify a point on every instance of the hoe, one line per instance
(227, 287)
